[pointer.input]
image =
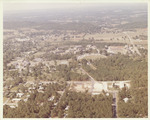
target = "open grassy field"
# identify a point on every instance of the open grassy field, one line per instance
(80, 71)
(29, 78)
(107, 37)
(93, 57)
(4, 99)
(28, 84)
(14, 89)
(116, 37)
(38, 54)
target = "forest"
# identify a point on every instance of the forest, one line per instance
(37, 104)
(84, 105)
(81, 105)
(137, 106)
(121, 67)
(118, 67)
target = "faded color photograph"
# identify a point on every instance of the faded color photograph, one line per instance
(75, 60)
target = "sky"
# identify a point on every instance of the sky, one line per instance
(31, 6)
(14, 6)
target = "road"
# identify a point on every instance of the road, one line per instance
(91, 78)
(134, 47)
(63, 93)
(61, 96)
(114, 105)
(114, 92)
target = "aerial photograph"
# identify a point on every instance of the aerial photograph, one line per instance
(75, 60)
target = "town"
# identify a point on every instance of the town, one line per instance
(53, 65)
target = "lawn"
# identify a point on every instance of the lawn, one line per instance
(29, 78)
(4, 99)
(14, 89)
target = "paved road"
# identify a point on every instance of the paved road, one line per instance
(135, 48)
(114, 105)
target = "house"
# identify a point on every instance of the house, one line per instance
(41, 91)
(38, 60)
(25, 99)
(89, 46)
(65, 62)
(107, 94)
(55, 104)
(16, 100)
(88, 63)
(20, 94)
(122, 84)
(126, 100)
(41, 88)
(67, 108)
(95, 93)
(28, 96)
(78, 47)
(51, 98)
(12, 106)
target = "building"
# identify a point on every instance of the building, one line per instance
(20, 94)
(122, 84)
(116, 50)
(67, 108)
(38, 60)
(51, 98)
(98, 87)
(12, 106)
(16, 100)
(105, 86)
(126, 100)
(25, 99)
